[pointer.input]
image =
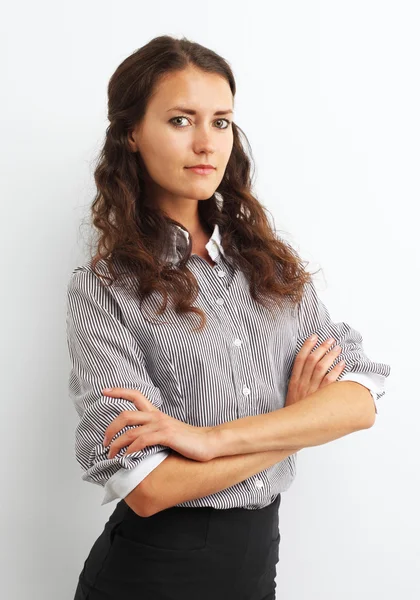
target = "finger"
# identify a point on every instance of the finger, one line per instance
(126, 417)
(312, 360)
(136, 439)
(300, 359)
(122, 441)
(334, 374)
(118, 392)
(148, 437)
(322, 366)
(140, 401)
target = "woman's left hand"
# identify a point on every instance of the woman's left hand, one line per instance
(156, 428)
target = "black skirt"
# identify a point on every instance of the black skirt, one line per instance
(185, 553)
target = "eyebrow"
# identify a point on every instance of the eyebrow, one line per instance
(190, 111)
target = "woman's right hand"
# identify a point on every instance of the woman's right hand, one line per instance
(310, 370)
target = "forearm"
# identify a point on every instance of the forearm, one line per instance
(179, 479)
(331, 412)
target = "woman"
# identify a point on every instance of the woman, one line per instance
(200, 318)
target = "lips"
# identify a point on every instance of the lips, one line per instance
(209, 167)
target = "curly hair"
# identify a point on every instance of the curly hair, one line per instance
(132, 232)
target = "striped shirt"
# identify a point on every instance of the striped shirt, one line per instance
(238, 366)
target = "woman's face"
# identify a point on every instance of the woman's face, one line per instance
(171, 139)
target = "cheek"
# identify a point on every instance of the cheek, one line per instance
(228, 146)
(165, 147)
(225, 150)
(162, 157)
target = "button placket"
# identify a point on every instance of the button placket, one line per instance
(223, 271)
(241, 363)
(237, 369)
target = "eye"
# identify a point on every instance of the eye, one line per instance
(227, 123)
(175, 124)
(172, 121)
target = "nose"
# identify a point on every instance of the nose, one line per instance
(203, 141)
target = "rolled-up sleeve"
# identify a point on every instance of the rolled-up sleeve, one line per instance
(103, 353)
(314, 317)
(125, 480)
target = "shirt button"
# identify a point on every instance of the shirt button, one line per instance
(219, 301)
(259, 483)
(221, 273)
(246, 390)
(237, 342)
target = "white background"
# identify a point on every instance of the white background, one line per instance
(328, 95)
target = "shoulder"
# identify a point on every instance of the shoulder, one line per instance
(95, 287)
(86, 271)
(84, 280)
(80, 276)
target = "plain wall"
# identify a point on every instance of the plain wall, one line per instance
(328, 96)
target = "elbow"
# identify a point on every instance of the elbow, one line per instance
(139, 501)
(368, 421)
(368, 414)
(366, 407)
(372, 419)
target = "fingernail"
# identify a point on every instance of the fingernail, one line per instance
(107, 389)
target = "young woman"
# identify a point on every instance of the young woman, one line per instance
(200, 318)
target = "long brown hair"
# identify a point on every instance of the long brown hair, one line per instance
(132, 233)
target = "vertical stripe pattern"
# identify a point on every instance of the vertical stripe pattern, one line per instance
(238, 366)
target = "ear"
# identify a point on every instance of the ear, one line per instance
(132, 142)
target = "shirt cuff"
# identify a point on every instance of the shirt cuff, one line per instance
(125, 480)
(372, 381)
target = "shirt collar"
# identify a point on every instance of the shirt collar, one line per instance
(180, 239)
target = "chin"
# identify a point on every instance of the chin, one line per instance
(204, 196)
(199, 194)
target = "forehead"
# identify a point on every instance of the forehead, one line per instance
(192, 88)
